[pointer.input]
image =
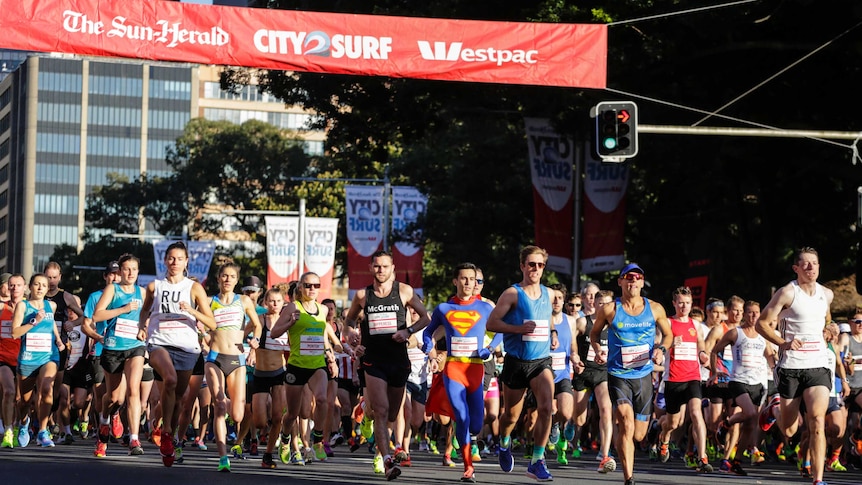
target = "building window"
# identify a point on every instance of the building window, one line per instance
(117, 86)
(3, 225)
(58, 143)
(4, 174)
(114, 116)
(168, 120)
(55, 173)
(56, 204)
(181, 90)
(5, 98)
(5, 123)
(59, 112)
(213, 90)
(4, 149)
(4, 199)
(55, 235)
(60, 81)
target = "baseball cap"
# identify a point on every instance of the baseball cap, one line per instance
(251, 283)
(112, 267)
(4, 278)
(631, 268)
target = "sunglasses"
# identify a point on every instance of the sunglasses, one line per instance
(309, 286)
(856, 321)
(633, 276)
(576, 305)
(536, 264)
(480, 281)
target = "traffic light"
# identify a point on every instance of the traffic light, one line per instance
(616, 129)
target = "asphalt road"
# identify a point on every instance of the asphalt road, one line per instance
(74, 464)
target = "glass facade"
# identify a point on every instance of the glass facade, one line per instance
(213, 90)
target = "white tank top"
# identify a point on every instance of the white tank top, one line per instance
(804, 320)
(749, 364)
(168, 325)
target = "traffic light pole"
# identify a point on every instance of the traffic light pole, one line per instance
(763, 132)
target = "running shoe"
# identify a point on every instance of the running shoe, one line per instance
(284, 453)
(252, 449)
(199, 444)
(166, 449)
(44, 439)
(267, 461)
(663, 453)
(576, 451)
(474, 452)
(156, 436)
(224, 464)
(423, 445)
(319, 452)
(336, 439)
(469, 476)
(805, 471)
(366, 428)
(308, 454)
(328, 450)
(447, 461)
(820, 482)
(856, 439)
(704, 467)
(236, 451)
(116, 426)
(528, 451)
(432, 446)
(736, 468)
(67, 439)
(554, 437)
(766, 418)
(630, 481)
(607, 465)
(391, 469)
(399, 455)
(84, 428)
(507, 461)
(539, 472)
(135, 448)
(8, 439)
(757, 457)
(297, 459)
(561, 453)
(836, 466)
(101, 449)
(407, 462)
(24, 433)
(569, 431)
(690, 460)
(178, 452)
(377, 465)
(104, 433)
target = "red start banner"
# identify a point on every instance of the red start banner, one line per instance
(570, 55)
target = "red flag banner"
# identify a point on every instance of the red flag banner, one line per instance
(551, 167)
(320, 236)
(364, 232)
(282, 249)
(604, 216)
(408, 205)
(571, 55)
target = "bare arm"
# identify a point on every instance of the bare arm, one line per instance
(253, 321)
(203, 313)
(782, 299)
(505, 303)
(604, 315)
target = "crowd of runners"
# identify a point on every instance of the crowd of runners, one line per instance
(273, 374)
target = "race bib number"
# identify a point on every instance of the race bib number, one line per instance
(173, 323)
(464, 346)
(126, 328)
(311, 345)
(280, 343)
(6, 329)
(558, 361)
(591, 354)
(685, 350)
(810, 343)
(382, 323)
(635, 356)
(38, 342)
(228, 317)
(541, 333)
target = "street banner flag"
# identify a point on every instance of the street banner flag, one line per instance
(408, 206)
(551, 158)
(200, 258)
(604, 216)
(282, 251)
(364, 232)
(320, 236)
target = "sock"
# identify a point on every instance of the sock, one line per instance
(133, 437)
(506, 441)
(2, 427)
(538, 454)
(317, 436)
(67, 429)
(103, 420)
(346, 426)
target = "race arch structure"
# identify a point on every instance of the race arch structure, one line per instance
(568, 55)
